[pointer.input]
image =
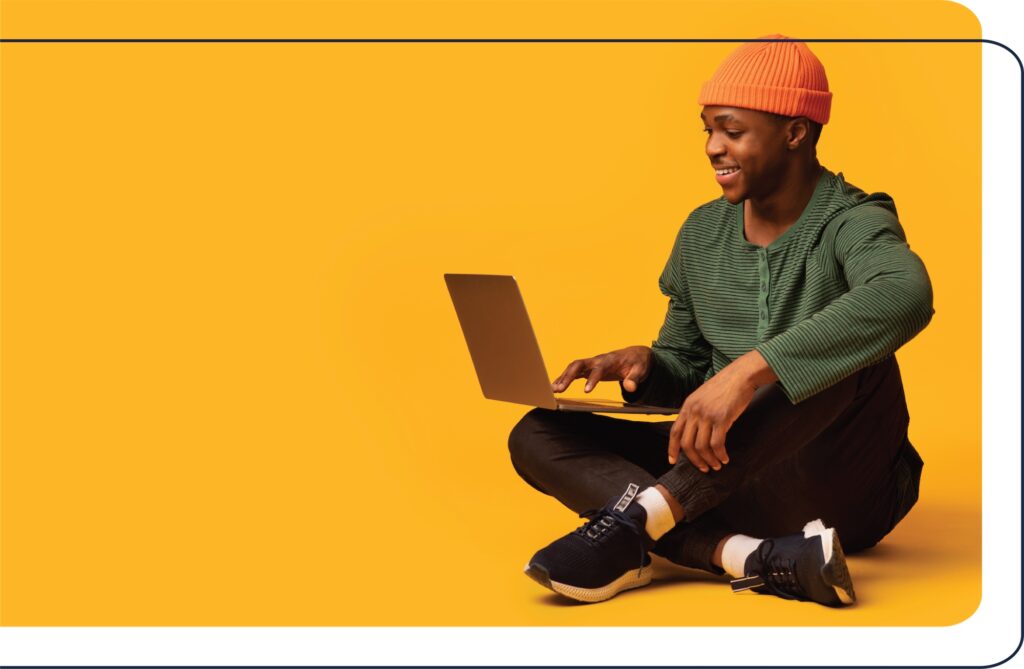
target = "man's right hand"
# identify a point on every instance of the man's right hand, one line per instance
(629, 365)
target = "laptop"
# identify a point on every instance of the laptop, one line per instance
(504, 349)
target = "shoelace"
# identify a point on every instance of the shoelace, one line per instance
(600, 521)
(778, 574)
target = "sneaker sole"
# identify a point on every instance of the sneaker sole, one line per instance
(834, 571)
(635, 578)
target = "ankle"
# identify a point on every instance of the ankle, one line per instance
(677, 509)
(659, 517)
(735, 551)
(716, 557)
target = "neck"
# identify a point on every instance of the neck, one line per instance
(783, 206)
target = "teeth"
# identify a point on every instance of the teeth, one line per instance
(727, 171)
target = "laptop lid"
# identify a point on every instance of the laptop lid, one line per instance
(500, 338)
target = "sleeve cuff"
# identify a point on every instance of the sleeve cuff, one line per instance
(791, 388)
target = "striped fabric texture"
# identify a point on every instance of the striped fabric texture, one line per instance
(838, 291)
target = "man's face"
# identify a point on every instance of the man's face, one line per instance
(750, 145)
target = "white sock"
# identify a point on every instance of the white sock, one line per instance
(735, 553)
(659, 513)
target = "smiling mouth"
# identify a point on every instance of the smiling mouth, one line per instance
(727, 177)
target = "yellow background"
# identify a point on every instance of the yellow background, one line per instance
(234, 388)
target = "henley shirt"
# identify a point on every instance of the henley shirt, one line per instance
(839, 290)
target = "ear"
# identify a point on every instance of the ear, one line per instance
(798, 132)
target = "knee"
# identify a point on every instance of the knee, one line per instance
(523, 443)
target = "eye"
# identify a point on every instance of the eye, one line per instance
(732, 134)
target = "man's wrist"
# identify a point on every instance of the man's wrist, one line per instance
(754, 369)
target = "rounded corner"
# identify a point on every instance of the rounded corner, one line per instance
(976, 27)
(972, 610)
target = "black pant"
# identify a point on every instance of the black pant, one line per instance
(841, 455)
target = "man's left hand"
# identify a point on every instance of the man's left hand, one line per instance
(710, 410)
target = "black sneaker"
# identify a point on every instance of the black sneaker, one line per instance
(601, 558)
(808, 566)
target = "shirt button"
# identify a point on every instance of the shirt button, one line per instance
(763, 285)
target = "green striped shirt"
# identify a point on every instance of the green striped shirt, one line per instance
(838, 291)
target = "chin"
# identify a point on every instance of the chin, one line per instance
(733, 196)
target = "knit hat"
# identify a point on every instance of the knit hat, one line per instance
(779, 77)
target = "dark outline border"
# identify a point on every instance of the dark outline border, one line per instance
(1020, 65)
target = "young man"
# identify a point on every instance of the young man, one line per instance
(788, 297)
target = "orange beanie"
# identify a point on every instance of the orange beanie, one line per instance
(779, 77)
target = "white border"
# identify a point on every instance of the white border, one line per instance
(989, 636)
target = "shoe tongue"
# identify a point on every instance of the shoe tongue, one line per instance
(628, 505)
(627, 497)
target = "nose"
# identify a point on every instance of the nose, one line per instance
(713, 147)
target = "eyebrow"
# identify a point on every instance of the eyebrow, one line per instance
(721, 117)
